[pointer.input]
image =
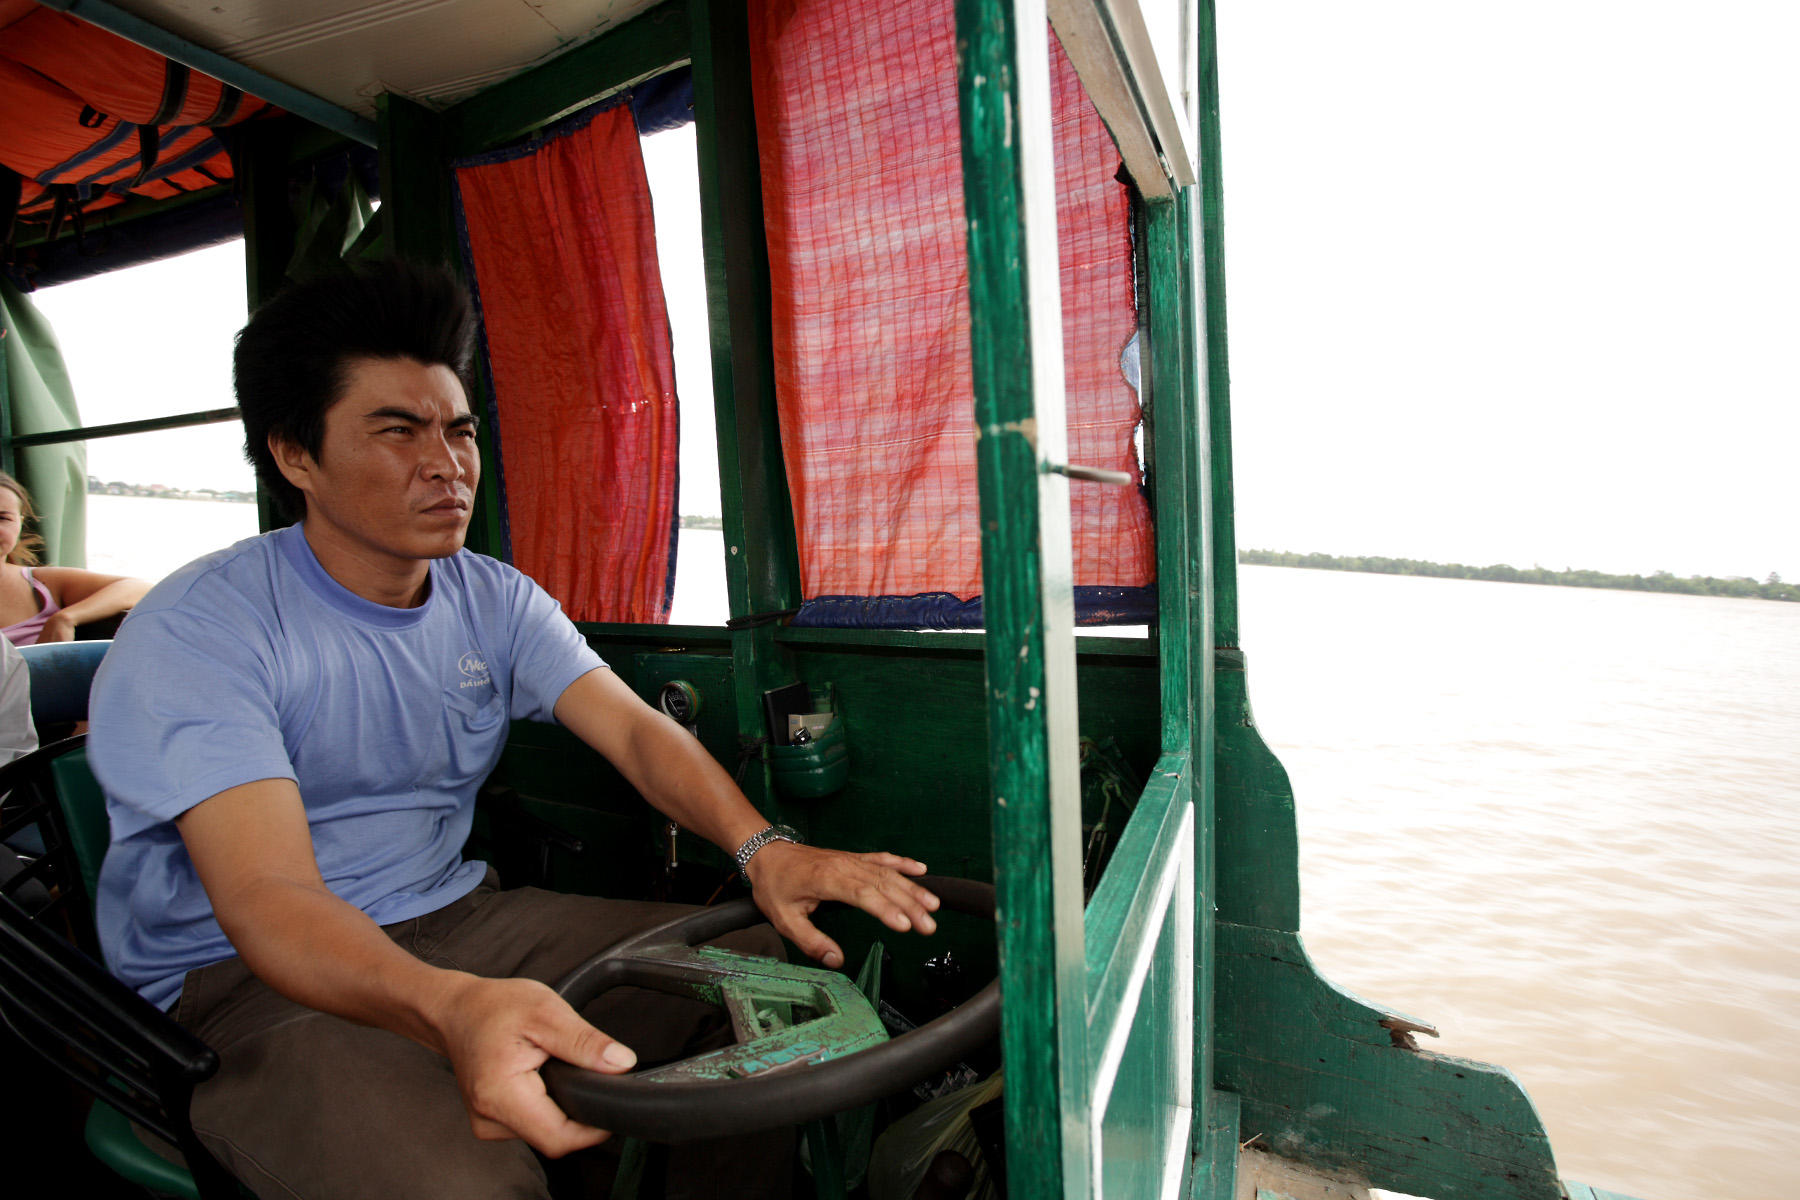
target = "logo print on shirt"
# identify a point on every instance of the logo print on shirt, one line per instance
(475, 668)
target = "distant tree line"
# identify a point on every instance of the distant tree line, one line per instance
(1744, 586)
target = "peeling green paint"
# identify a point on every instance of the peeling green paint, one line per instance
(1027, 590)
(762, 995)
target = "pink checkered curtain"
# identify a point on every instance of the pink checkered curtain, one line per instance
(856, 111)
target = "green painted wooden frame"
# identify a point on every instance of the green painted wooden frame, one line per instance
(1027, 589)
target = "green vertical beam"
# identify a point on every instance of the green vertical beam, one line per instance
(415, 183)
(268, 213)
(1183, 638)
(762, 571)
(268, 239)
(418, 214)
(1218, 372)
(1203, 232)
(1168, 360)
(487, 527)
(1027, 592)
(1201, 577)
(1183, 515)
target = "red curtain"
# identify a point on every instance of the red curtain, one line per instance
(856, 113)
(563, 247)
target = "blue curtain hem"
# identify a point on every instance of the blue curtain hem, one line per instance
(941, 610)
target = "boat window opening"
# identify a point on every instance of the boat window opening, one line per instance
(154, 342)
(869, 274)
(137, 525)
(671, 164)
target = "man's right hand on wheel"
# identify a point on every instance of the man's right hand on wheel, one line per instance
(496, 1034)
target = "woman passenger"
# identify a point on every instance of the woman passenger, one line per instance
(45, 604)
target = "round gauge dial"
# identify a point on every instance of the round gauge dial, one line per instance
(679, 701)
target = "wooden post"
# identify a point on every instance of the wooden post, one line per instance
(761, 562)
(1211, 253)
(1027, 588)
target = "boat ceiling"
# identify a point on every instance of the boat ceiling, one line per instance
(348, 52)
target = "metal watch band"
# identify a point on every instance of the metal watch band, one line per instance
(756, 841)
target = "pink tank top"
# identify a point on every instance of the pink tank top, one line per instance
(25, 633)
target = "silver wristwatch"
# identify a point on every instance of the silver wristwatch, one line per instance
(756, 841)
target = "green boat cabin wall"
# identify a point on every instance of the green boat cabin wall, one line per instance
(1309, 1068)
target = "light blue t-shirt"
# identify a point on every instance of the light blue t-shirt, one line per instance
(253, 663)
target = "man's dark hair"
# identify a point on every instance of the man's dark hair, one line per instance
(293, 357)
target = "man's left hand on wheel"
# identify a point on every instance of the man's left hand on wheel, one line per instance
(790, 881)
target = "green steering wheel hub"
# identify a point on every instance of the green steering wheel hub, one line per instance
(782, 1013)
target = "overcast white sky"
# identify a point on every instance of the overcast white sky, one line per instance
(1516, 283)
(1505, 284)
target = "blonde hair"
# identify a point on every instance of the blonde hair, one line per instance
(25, 550)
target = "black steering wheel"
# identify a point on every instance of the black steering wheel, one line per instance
(809, 1044)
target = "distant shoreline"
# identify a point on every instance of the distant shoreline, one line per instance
(157, 491)
(1741, 586)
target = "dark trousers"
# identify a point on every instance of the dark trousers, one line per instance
(308, 1105)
